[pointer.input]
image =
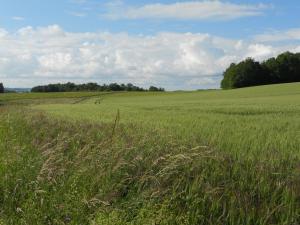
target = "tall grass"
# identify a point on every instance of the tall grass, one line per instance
(53, 172)
(251, 122)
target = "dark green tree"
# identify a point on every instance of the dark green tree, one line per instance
(88, 87)
(244, 74)
(1, 88)
(282, 69)
(153, 88)
(228, 77)
(285, 68)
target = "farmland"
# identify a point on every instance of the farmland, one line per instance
(198, 157)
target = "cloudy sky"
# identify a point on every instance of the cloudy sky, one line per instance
(175, 44)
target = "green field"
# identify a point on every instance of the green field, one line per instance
(199, 157)
(40, 97)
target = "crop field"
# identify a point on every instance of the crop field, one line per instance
(200, 157)
(40, 97)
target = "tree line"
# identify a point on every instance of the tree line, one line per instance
(285, 68)
(71, 87)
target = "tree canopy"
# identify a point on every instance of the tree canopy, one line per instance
(71, 87)
(282, 69)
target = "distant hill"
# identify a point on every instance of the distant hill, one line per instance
(18, 90)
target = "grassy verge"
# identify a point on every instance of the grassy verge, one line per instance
(58, 172)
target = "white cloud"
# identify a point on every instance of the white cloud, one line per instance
(260, 51)
(41, 55)
(18, 18)
(200, 81)
(188, 10)
(77, 14)
(275, 36)
(3, 33)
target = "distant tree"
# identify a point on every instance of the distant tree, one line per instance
(70, 86)
(114, 87)
(129, 87)
(272, 68)
(246, 73)
(285, 68)
(229, 76)
(153, 88)
(1, 88)
(67, 87)
(91, 87)
(282, 69)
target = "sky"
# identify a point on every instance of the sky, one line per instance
(170, 43)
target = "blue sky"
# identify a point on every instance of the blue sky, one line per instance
(85, 16)
(111, 38)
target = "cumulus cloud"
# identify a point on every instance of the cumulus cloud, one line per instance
(275, 36)
(41, 55)
(260, 51)
(188, 10)
(3, 33)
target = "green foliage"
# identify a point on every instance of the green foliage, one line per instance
(246, 73)
(283, 69)
(209, 157)
(71, 87)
